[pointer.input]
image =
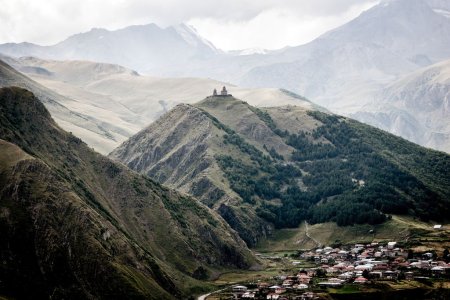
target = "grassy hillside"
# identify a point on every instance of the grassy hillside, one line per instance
(418, 234)
(78, 225)
(288, 165)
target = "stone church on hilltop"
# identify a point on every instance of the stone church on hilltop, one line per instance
(223, 93)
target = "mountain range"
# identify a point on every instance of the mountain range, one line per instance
(120, 180)
(105, 104)
(342, 70)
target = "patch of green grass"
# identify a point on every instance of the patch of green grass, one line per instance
(346, 289)
(399, 228)
(246, 276)
(280, 240)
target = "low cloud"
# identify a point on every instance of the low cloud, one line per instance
(229, 24)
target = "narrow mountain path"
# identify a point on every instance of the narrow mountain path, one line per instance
(203, 297)
(310, 237)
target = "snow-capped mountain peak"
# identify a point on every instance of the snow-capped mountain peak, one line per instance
(192, 37)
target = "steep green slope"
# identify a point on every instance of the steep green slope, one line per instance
(180, 150)
(74, 224)
(288, 164)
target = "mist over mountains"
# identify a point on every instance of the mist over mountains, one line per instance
(342, 70)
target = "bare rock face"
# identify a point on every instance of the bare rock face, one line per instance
(175, 145)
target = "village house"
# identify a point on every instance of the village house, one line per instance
(346, 276)
(262, 285)
(239, 289)
(331, 271)
(287, 283)
(438, 271)
(308, 295)
(392, 275)
(376, 274)
(364, 267)
(304, 278)
(333, 282)
(248, 295)
(272, 296)
(409, 276)
(391, 245)
(360, 280)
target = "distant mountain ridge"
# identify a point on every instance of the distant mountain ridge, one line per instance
(147, 48)
(390, 39)
(416, 106)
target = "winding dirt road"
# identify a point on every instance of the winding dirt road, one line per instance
(319, 245)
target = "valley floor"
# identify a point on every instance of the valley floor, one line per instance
(403, 258)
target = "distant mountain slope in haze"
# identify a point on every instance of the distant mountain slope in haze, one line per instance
(78, 225)
(123, 102)
(340, 68)
(390, 39)
(276, 167)
(416, 107)
(147, 48)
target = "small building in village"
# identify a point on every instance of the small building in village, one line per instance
(239, 288)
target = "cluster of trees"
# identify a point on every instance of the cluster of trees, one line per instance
(307, 150)
(348, 180)
(346, 213)
(263, 179)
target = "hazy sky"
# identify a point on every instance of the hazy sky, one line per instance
(229, 24)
